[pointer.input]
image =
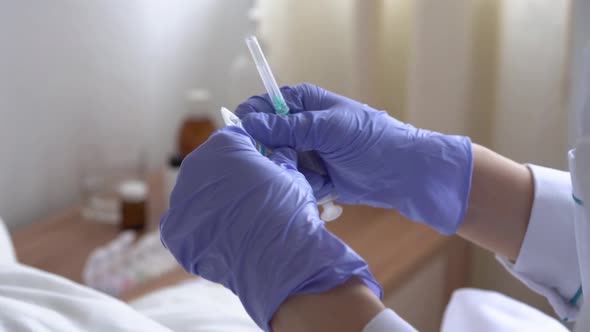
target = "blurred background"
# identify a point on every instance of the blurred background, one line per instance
(90, 88)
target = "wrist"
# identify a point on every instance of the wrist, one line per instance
(440, 181)
(347, 307)
(263, 293)
(499, 204)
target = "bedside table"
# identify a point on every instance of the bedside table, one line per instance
(395, 248)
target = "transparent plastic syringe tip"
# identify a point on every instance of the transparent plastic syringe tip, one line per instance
(267, 77)
(229, 118)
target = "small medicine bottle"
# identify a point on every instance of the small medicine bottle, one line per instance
(198, 124)
(133, 197)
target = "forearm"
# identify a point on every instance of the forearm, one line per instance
(500, 203)
(348, 307)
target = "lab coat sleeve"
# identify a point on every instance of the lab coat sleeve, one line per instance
(548, 261)
(388, 321)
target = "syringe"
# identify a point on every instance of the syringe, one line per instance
(330, 210)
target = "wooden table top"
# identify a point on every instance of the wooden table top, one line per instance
(393, 247)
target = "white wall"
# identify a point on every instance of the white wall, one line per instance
(409, 300)
(579, 44)
(520, 94)
(531, 117)
(397, 29)
(440, 58)
(311, 43)
(112, 72)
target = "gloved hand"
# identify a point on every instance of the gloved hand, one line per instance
(370, 157)
(251, 223)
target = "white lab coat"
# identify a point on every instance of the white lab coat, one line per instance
(580, 172)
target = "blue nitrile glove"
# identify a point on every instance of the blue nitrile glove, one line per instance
(251, 223)
(370, 157)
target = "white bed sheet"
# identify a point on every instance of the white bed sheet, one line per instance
(35, 300)
(196, 306)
